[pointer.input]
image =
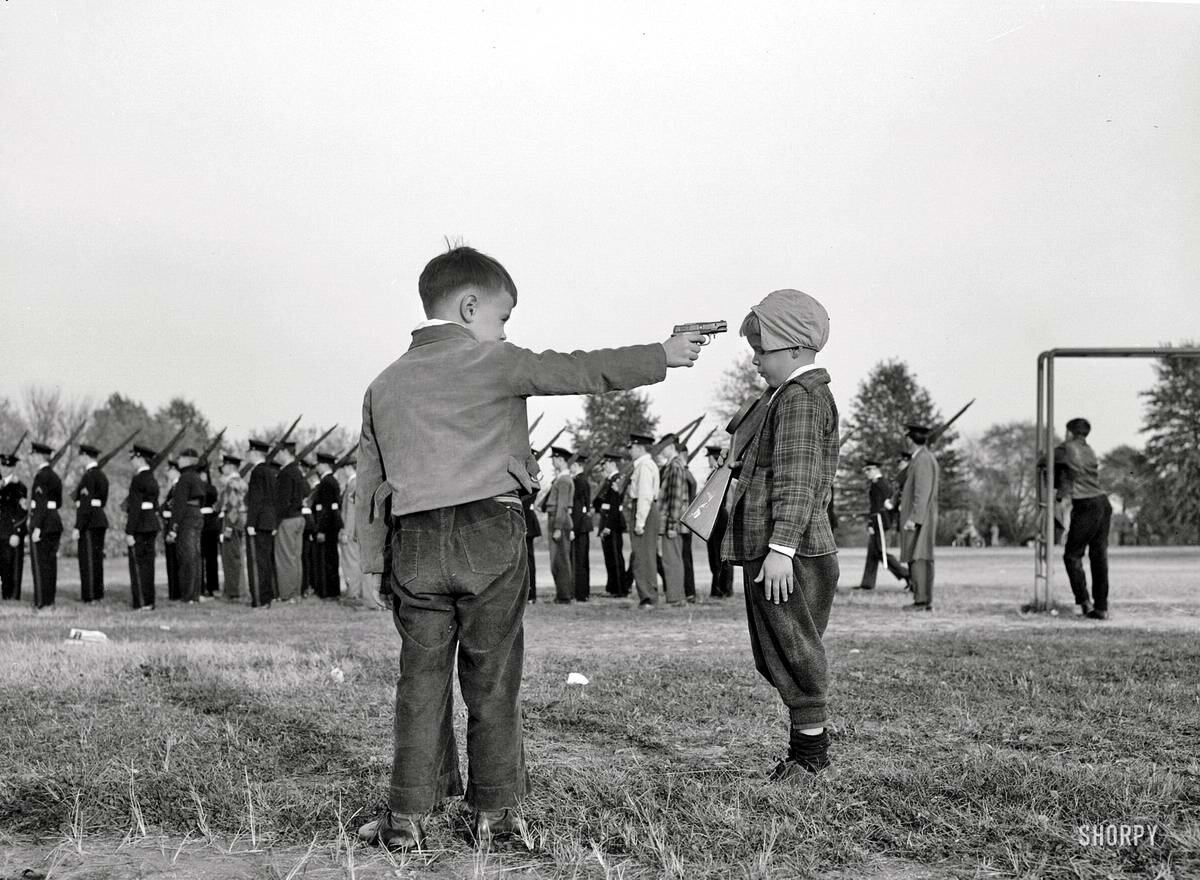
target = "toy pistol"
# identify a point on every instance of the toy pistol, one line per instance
(708, 328)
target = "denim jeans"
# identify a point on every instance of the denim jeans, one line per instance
(1090, 522)
(460, 583)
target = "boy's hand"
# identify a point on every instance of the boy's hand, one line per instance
(776, 575)
(683, 350)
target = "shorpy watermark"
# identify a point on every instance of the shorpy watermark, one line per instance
(1118, 835)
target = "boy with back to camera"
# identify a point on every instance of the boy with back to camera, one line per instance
(445, 444)
(779, 528)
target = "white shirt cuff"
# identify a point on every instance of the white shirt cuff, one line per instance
(146, 505)
(96, 502)
(789, 552)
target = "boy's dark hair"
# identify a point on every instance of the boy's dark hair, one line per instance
(462, 267)
(1079, 427)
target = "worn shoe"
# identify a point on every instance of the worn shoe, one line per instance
(491, 825)
(862, 587)
(1097, 614)
(645, 605)
(918, 606)
(395, 831)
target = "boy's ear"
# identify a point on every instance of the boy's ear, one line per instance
(467, 306)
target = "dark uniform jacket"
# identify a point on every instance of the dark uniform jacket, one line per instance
(90, 497)
(187, 498)
(608, 504)
(290, 491)
(44, 502)
(786, 479)
(141, 504)
(12, 508)
(327, 505)
(212, 518)
(879, 492)
(581, 507)
(260, 499)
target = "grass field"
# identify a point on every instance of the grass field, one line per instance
(212, 741)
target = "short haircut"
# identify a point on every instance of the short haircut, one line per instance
(462, 267)
(751, 327)
(1079, 427)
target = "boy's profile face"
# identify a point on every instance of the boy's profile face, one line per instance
(774, 366)
(485, 312)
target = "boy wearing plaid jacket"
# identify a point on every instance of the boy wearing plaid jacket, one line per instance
(779, 529)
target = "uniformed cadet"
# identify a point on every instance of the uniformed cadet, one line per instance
(170, 553)
(581, 523)
(141, 528)
(290, 491)
(327, 510)
(612, 528)
(919, 516)
(672, 501)
(721, 571)
(14, 510)
(91, 523)
(308, 548)
(642, 517)
(231, 506)
(558, 503)
(348, 549)
(45, 525)
(186, 524)
(261, 522)
(210, 535)
(880, 511)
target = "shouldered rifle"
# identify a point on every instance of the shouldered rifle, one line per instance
(938, 432)
(701, 445)
(690, 426)
(709, 329)
(546, 448)
(344, 458)
(311, 446)
(278, 444)
(108, 456)
(162, 456)
(62, 450)
(208, 450)
(17, 448)
(536, 422)
(687, 435)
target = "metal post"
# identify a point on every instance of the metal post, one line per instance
(1039, 550)
(1049, 480)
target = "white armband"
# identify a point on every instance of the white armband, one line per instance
(96, 502)
(146, 505)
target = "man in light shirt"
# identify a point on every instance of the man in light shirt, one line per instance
(643, 518)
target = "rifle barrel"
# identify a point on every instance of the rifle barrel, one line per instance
(108, 456)
(278, 444)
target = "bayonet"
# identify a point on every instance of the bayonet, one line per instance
(17, 448)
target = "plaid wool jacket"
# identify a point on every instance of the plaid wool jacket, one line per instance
(673, 497)
(786, 479)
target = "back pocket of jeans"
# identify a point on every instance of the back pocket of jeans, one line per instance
(404, 555)
(491, 545)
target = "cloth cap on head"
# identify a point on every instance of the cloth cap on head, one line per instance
(289, 445)
(7, 460)
(672, 439)
(230, 459)
(190, 452)
(559, 452)
(89, 449)
(871, 462)
(259, 445)
(790, 319)
(326, 458)
(142, 451)
(640, 439)
(40, 448)
(918, 432)
(308, 463)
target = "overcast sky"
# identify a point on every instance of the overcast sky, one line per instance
(232, 201)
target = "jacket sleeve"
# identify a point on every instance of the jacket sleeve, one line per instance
(583, 372)
(922, 476)
(795, 465)
(371, 529)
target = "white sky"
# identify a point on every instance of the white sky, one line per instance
(232, 201)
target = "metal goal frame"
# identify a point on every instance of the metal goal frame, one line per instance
(1043, 569)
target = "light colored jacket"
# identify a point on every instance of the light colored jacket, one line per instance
(349, 505)
(919, 503)
(446, 423)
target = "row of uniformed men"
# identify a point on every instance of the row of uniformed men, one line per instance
(293, 525)
(649, 487)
